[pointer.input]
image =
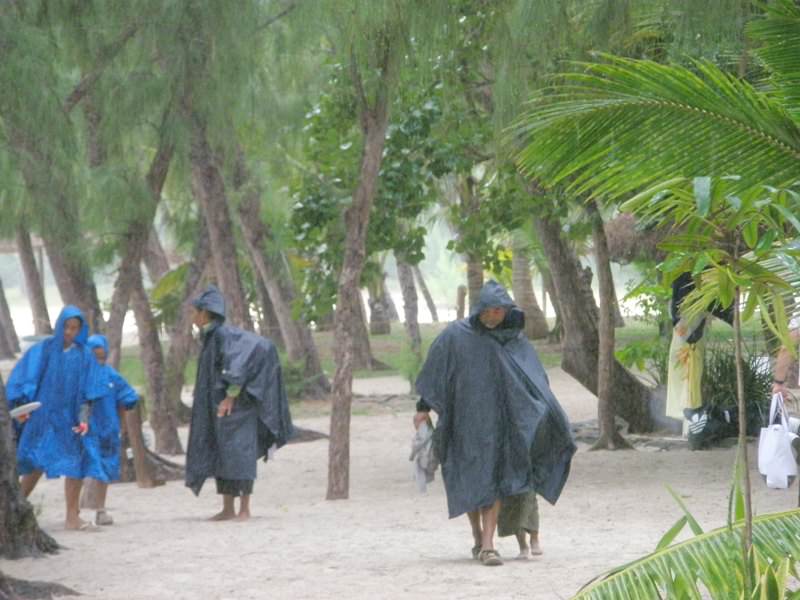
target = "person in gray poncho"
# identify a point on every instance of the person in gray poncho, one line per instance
(240, 408)
(501, 431)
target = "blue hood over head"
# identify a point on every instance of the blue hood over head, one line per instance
(98, 341)
(211, 300)
(71, 312)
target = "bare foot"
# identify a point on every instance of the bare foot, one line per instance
(244, 515)
(536, 549)
(223, 515)
(524, 553)
(78, 524)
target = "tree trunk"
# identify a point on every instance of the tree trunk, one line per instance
(160, 412)
(619, 320)
(426, 294)
(374, 121)
(580, 341)
(154, 258)
(474, 280)
(522, 287)
(461, 302)
(10, 342)
(610, 439)
(19, 532)
(268, 324)
(271, 267)
(379, 323)
(391, 309)
(209, 189)
(405, 273)
(33, 282)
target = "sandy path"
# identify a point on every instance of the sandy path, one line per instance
(387, 541)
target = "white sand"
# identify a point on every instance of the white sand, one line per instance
(387, 541)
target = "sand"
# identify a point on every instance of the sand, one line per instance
(387, 540)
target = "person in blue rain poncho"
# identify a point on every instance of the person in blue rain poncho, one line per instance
(239, 410)
(104, 424)
(501, 433)
(61, 373)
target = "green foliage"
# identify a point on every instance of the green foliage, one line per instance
(650, 356)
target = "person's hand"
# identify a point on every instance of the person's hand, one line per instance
(420, 418)
(81, 429)
(779, 388)
(22, 418)
(225, 407)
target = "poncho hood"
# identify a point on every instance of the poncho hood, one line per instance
(70, 312)
(494, 295)
(98, 341)
(211, 300)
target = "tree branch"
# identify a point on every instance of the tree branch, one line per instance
(291, 6)
(105, 56)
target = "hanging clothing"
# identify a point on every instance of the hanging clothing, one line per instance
(518, 514)
(104, 426)
(243, 364)
(63, 380)
(500, 431)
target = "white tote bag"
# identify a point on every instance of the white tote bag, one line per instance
(775, 458)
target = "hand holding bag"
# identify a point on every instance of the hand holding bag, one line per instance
(775, 458)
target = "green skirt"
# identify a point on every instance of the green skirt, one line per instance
(517, 514)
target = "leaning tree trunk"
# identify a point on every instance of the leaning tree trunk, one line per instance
(405, 273)
(154, 258)
(474, 280)
(362, 352)
(33, 282)
(580, 341)
(273, 271)
(522, 287)
(610, 439)
(10, 340)
(209, 189)
(391, 309)
(426, 294)
(161, 413)
(374, 121)
(19, 532)
(268, 324)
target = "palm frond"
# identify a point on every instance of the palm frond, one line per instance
(625, 125)
(707, 562)
(779, 35)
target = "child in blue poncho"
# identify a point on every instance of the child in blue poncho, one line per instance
(61, 373)
(105, 423)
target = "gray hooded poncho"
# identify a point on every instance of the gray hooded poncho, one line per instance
(501, 431)
(229, 447)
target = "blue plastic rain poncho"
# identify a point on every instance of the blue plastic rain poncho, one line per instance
(501, 432)
(62, 380)
(104, 427)
(229, 447)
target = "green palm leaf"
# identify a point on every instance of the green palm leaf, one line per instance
(779, 35)
(709, 562)
(625, 125)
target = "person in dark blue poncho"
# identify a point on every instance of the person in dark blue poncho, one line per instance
(104, 425)
(240, 408)
(61, 373)
(501, 432)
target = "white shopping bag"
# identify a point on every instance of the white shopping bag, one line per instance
(775, 458)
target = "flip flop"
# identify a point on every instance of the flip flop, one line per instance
(490, 558)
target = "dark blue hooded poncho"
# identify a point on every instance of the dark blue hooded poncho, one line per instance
(61, 380)
(501, 431)
(229, 447)
(104, 426)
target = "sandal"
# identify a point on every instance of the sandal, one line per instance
(476, 551)
(490, 558)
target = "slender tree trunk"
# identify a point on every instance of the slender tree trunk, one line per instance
(610, 439)
(522, 287)
(209, 189)
(268, 324)
(461, 302)
(405, 273)
(277, 279)
(19, 532)
(619, 320)
(374, 121)
(161, 413)
(426, 293)
(154, 258)
(181, 342)
(474, 280)
(581, 339)
(7, 329)
(33, 282)
(379, 323)
(391, 309)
